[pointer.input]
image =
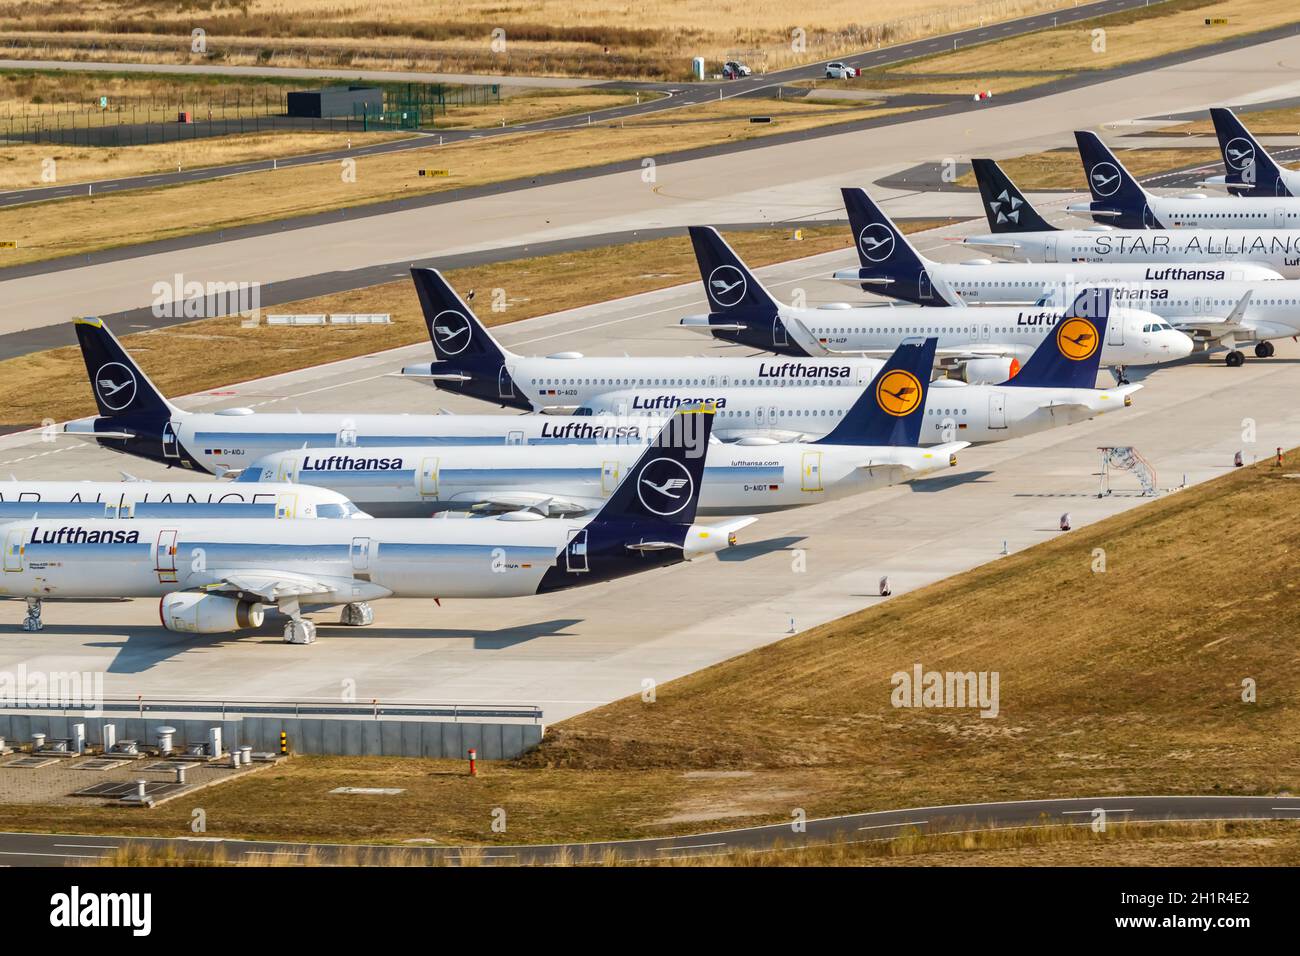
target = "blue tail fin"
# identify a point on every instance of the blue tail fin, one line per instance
(1005, 205)
(121, 388)
(1069, 355)
(740, 309)
(728, 283)
(891, 409)
(457, 335)
(1117, 198)
(1249, 166)
(888, 263)
(664, 484)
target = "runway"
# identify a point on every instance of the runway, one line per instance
(572, 651)
(782, 181)
(53, 849)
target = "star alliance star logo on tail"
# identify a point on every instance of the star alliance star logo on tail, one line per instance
(452, 331)
(664, 486)
(1013, 204)
(115, 385)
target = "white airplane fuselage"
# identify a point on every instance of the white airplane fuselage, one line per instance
(125, 499)
(738, 479)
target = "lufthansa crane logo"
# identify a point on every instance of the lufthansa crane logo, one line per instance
(664, 486)
(1105, 179)
(898, 393)
(1077, 338)
(1239, 153)
(726, 286)
(115, 385)
(876, 241)
(451, 330)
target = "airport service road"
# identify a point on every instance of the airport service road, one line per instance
(573, 651)
(786, 181)
(56, 849)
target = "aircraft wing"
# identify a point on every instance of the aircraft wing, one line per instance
(271, 586)
(916, 459)
(489, 502)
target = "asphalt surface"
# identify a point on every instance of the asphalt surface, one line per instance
(53, 849)
(686, 94)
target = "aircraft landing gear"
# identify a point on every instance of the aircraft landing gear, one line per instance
(1264, 349)
(1121, 375)
(33, 619)
(300, 631)
(1234, 359)
(357, 615)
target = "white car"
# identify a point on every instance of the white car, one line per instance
(840, 71)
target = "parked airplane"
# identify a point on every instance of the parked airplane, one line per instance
(1211, 303)
(1277, 249)
(987, 344)
(1251, 171)
(872, 445)
(1119, 200)
(136, 419)
(1055, 387)
(150, 499)
(893, 267)
(471, 362)
(220, 576)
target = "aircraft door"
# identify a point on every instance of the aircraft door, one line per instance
(1149, 218)
(778, 332)
(286, 506)
(575, 554)
(1279, 217)
(811, 471)
(1115, 331)
(505, 383)
(286, 469)
(997, 410)
(14, 550)
(171, 447)
(515, 437)
(1049, 249)
(609, 471)
(924, 289)
(165, 557)
(427, 482)
(361, 558)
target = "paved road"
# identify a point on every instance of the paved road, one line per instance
(58, 849)
(679, 95)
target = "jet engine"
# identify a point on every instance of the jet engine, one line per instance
(989, 370)
(191, 612)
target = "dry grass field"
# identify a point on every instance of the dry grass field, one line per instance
(1141, 34)
(84, 224)
(577, 37)
(1279, 122)
(1122, 682)
(1061, 169)
(23, 166)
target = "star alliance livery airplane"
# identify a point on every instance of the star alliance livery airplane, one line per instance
(987, 344)
(1032, 240)
(1056, 386)
(873, 444)
(135, 418)
(165, 499)
(1118, 199)
(471, 362)
(1251, 171)
(215, 577)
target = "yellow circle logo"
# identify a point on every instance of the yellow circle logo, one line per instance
(1077, 339)
(898, 393)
